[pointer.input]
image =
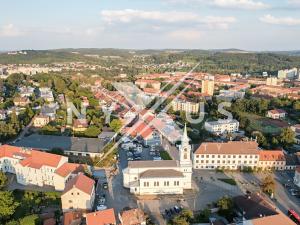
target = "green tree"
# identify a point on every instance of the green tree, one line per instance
(287, 137)
(225, 205)
(92, 131)
(268, 185)
(3, 180)
(8, 204)
(115, 125)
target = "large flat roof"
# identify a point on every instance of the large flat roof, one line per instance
(48, 142)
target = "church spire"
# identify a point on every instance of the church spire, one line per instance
(185, 138)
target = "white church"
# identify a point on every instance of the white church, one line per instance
(161, 177)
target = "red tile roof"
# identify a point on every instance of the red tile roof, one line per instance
(72, 218)
(82, 183)
(277, 111)
(133, 217)
(68, 168)
(10, 151)
(275, 155)
(101, 217)
(231, 147)
(37, 159)
(50, 221)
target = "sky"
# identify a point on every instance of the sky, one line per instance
(254, 25)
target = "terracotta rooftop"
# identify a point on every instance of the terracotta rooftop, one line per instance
(232, 147)
(161, 173)
(11, 151)
(101, 217)
(276, 111)
(37, 159)
(82, 183)
(275, 155)
(132, 217)
(68, 168)
(72, 218)
(279, 219)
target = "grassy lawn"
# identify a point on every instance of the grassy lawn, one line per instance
(228, 181)
(258, 123)
(165, 155)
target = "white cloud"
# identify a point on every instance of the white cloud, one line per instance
(240, 4)
(185, 35)
(131, 15)
(10, 30)
(294, 2)
(289, 21)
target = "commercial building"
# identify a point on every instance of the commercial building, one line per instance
(230, 155)
(288, 74)
(222, 126)
(276, 114)
(235, 155)
(41, 121)
(208, 86)
(186, 106)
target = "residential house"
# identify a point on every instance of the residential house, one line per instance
(79, 194)
(132, 217)
(26, 91)
(49, 110)
(148, 84)
(46, 93)
(41, 121)
(21, 101)
(222, 126)
(65, 173)
(73, 218)
(3, 114)
(276, 114)
(103, 217)
(80, 125)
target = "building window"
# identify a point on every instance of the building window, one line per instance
(166, 183)
(156, 183)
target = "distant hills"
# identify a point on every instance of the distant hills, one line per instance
(212, 60)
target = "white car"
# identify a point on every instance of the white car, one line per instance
(101, 207)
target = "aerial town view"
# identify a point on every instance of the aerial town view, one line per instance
(162, 112)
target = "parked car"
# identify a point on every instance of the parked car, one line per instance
(156, 158)
(101, 207)
(105, 185)
(101, 201)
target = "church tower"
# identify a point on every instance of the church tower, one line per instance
(185, 149)
(185, 161)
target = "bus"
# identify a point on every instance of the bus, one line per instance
(294, 216)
